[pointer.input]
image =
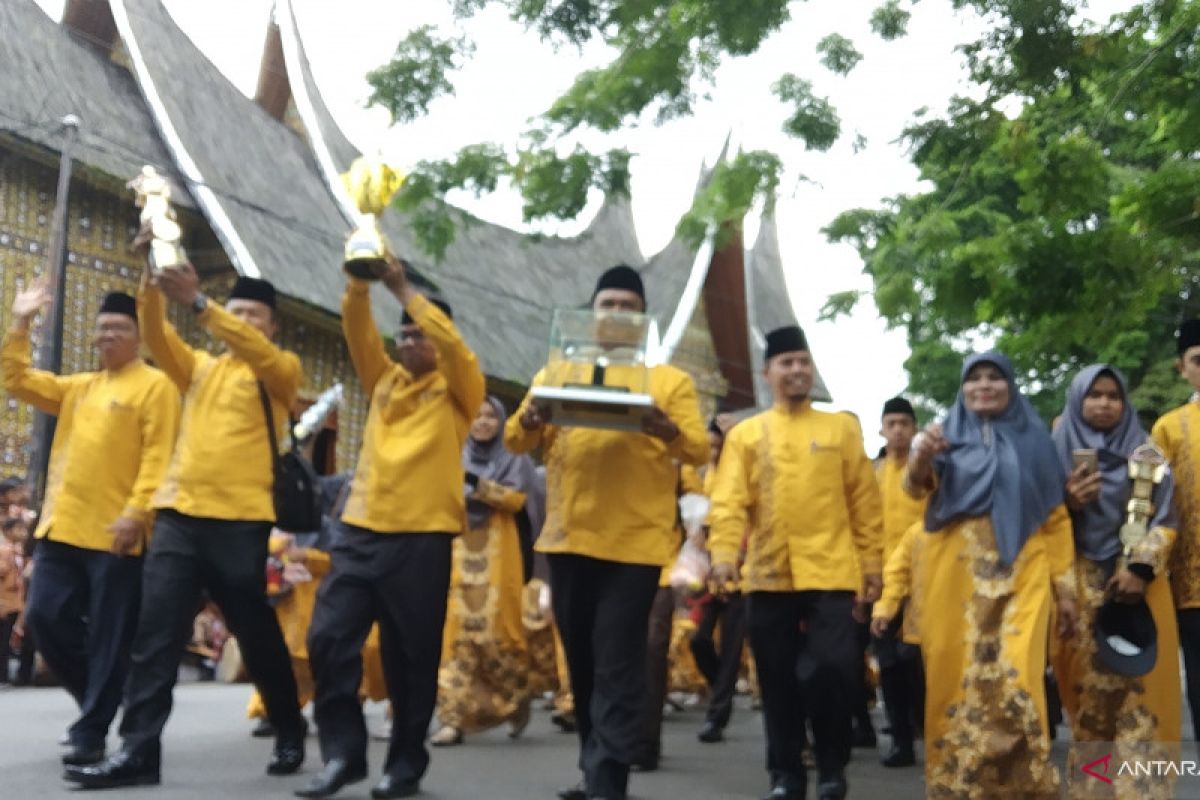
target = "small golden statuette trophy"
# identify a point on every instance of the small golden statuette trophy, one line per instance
(153, 197)
(1147, 467)
(371, 184)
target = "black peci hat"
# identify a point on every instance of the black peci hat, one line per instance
(1126, 638)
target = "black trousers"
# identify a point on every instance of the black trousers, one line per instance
(806, 676)
(602, 610)
(7, 623)
(187, 556)
(658, 654)
(720, 667)
(1189, 642)
(83, 608)
(401, 581)
(902, 680)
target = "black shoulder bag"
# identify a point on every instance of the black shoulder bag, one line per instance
(297, 499)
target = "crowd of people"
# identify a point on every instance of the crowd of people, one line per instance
(966, 558)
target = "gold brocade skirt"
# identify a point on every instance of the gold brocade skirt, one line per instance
(1136, 718)
(485, 670)
(985, 656)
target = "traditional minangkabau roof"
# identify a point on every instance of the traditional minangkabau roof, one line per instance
(275, 199)
(490, 272)
(769, 303)
(48, 72)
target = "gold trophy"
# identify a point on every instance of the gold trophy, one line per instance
(1147, 468)
(154, 199)
(371, 184)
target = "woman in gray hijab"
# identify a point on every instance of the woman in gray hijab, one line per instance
(1096, 437)
(484, 676)
(997, 560)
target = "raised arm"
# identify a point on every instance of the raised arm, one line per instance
(456, 361)
(367, 351)
(170, 353)
(279, 370)
(42, 390)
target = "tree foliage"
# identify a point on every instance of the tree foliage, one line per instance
(665, 55)
(1062, 222)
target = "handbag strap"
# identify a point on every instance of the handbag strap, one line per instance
(266, 404)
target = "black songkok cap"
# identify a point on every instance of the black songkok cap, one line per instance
(898, 405)
(1189, 335)
(119, 303)
(621, 276)
(407, 319)
(253, 289)
(788, 339)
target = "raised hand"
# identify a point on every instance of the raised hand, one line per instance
(30, 301)
(180, 284)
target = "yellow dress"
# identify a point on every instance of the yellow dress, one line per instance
(295, 615)
(484, 676)
(985, 710)
(539, 638)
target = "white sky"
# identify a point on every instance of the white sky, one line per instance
(513, 77)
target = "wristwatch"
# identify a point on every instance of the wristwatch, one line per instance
(199, 304)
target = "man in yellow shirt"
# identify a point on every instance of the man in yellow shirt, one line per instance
(802, 480)
(1178, 434)
(215, 512)
(113, 438)
(391, 552)
(900, 675)
(609, 531)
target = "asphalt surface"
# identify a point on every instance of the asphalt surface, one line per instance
(208, 753)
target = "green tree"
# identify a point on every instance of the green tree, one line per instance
(1062, 222)
(665, 55)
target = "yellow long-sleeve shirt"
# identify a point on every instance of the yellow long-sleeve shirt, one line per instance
(802, 481)
(222, 466)
(611, 494)
(900, 509)
(409, 476)
(904, 579)
(1177, 433)
(111, 445)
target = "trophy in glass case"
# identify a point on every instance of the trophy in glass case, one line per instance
(596, 375)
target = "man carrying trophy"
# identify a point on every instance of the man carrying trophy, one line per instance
(609, 531)
(391, 554)
(215, 509)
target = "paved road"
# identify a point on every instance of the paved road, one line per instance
(208, 754)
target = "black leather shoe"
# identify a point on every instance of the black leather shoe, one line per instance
(832, 788)
(711, 733)
(120, 769)
(263, 730)
(576, 792)
(900, 757)
(391, 787)
(288, 754)
(336, 773)
(783, 793)
(83, 756)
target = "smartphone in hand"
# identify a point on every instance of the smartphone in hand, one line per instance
(1087, 458)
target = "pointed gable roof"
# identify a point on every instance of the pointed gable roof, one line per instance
(768, 302)
(49, 72)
